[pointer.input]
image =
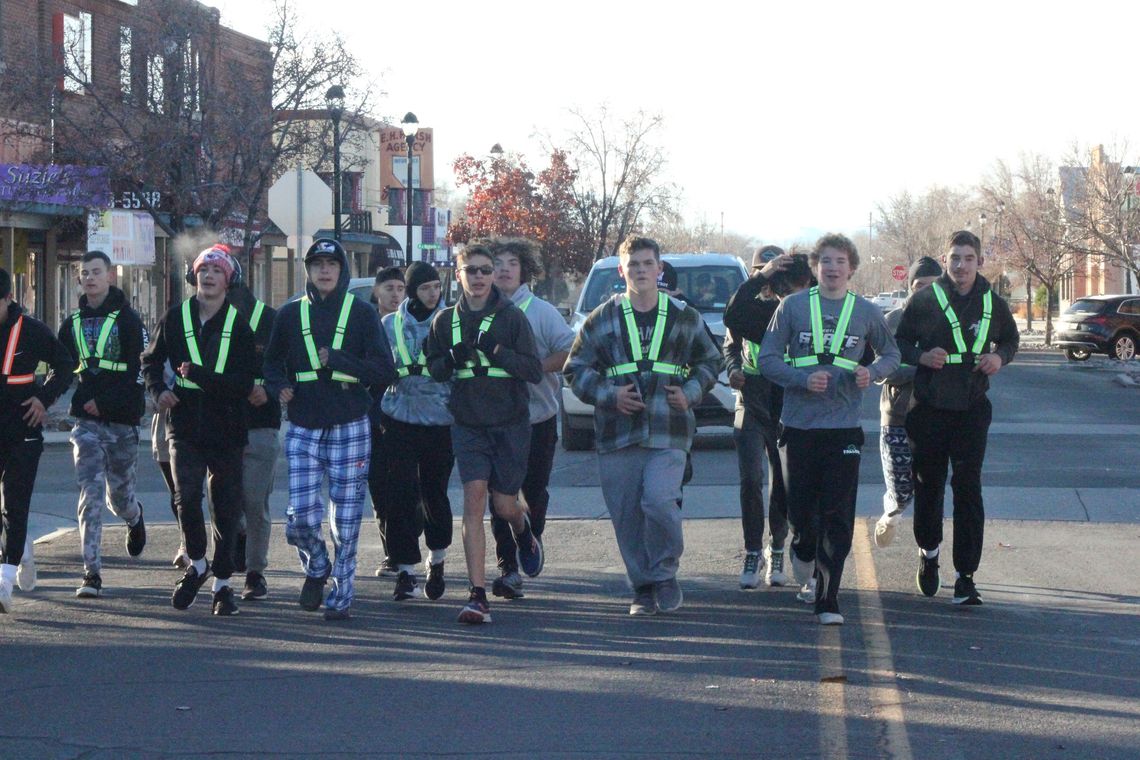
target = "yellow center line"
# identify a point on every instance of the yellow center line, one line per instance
(832, 701)
(886, 700)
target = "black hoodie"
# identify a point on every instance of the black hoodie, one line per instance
(924, 326)
(37, 344)
(214, 416)
(484, 401)
(118, 395)
(268, 415)
(364, 354)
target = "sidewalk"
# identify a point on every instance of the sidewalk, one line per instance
(1046, 669)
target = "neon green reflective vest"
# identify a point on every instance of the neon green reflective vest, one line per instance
(480, 365)
(309, 376)
(831, 354)
(88, 358)
(192, 344)
(407, 365)
(638, 361)
(963, 356)
(254, 321)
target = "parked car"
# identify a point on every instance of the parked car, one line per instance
(890, 301)
(1100, 325)
(726, 274)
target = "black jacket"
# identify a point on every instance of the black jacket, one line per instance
(364, 355)
(268, 415)
(746, 318)
(215, 415)
(924, 326)
(484, 401)
(37, 344)
(118, 395)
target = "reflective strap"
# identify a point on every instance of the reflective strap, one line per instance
(948, 310)
(984, 325)
(956, 328)
(85, 355)
(259, 381)
(255, 317)
(407, 365)
(481, 365)
(182, 382)
(837, 338)
(465, 374)
(526, 303)
(751, 351)
(337, 341)
(10, 349)
(638, 360)
(224, 348)
(188, 333)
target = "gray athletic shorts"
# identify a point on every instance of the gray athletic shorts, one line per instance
(495, 454)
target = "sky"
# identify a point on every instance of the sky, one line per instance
(790, 119)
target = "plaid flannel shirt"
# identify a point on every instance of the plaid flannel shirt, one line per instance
(601, 344)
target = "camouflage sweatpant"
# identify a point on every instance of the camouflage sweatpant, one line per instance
(105, 457)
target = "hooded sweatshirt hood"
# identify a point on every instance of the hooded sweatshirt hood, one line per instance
(337, 295)
(115, 299)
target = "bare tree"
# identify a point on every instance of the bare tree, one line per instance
(911, 227)
(619, 170)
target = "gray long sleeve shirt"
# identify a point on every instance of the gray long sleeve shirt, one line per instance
(790, 331)
(551, 336)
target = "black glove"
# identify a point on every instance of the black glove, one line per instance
(486, 343)
(461, 353)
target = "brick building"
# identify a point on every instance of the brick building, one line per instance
(150, 106)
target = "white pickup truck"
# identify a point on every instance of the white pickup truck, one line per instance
(890, 301)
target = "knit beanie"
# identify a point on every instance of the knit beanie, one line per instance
(924, 267)
(417, 274)
(218, 255)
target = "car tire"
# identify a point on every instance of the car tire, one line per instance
(1077, 354)
(1123, 347)
(575, 439)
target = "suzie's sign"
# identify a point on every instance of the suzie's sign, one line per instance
(55, 184)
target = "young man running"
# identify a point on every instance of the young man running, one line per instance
(24, 343)
(824, 332)
(958, 334)
(485, 343)
(895, 402)
(106, 339)
(325, 351)
(417, 433)
(387, 293)
(211, 351)
(644, 360)
(516, 265)
(758, 404)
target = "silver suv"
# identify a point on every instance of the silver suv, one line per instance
(708, 280)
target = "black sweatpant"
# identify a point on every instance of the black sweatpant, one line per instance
(956, 439)
(756, 449)
(418, 472)
(540, 461)
(191, 464)
(19, 463)
(378, 482)
(821, 474)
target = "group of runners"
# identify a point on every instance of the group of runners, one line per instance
(387, 398)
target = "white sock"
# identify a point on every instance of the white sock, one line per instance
(220, 584)
(199, 565)
(437, 556)
(409, 569)
(930, 553)
(8, 573)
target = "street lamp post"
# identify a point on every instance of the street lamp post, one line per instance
(410, 126)
(334, 100)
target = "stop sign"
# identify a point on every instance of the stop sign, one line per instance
(300, 202)
(899, 273)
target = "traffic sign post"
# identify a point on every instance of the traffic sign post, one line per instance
(899, 272)
(299, 203)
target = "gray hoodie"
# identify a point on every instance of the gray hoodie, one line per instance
(790, 330)
(551, 335)
(415, 399)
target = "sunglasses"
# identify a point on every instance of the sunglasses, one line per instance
(484, 270)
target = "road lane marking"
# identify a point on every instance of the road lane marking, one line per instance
(832, 700)
(886, 699)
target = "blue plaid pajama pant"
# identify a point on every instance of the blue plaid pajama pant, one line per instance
(341, 452)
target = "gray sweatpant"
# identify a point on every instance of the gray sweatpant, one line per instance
(106, 455)
(259, 466)
(642, 488)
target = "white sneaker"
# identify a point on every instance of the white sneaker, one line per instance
(830, 618)
(803, 571)
(26, 573)
(750, 575)
(885, 530)
(5, 596)
(181, 559)
(806, 594)
(774, 574)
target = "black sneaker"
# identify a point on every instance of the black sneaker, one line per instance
(255, 587)
(239, 554)
(334, 615)
(136, 535)
(644, 602)
(435, 583)
(406, 587)
(387, 569)
(313, 592)
(224, 603)
(91, 588)
(529, 553)
(965, 592)
(509, 585)
(186, 590)
(927, 578)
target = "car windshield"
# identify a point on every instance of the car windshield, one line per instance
(707, 287)
(1086, 307)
